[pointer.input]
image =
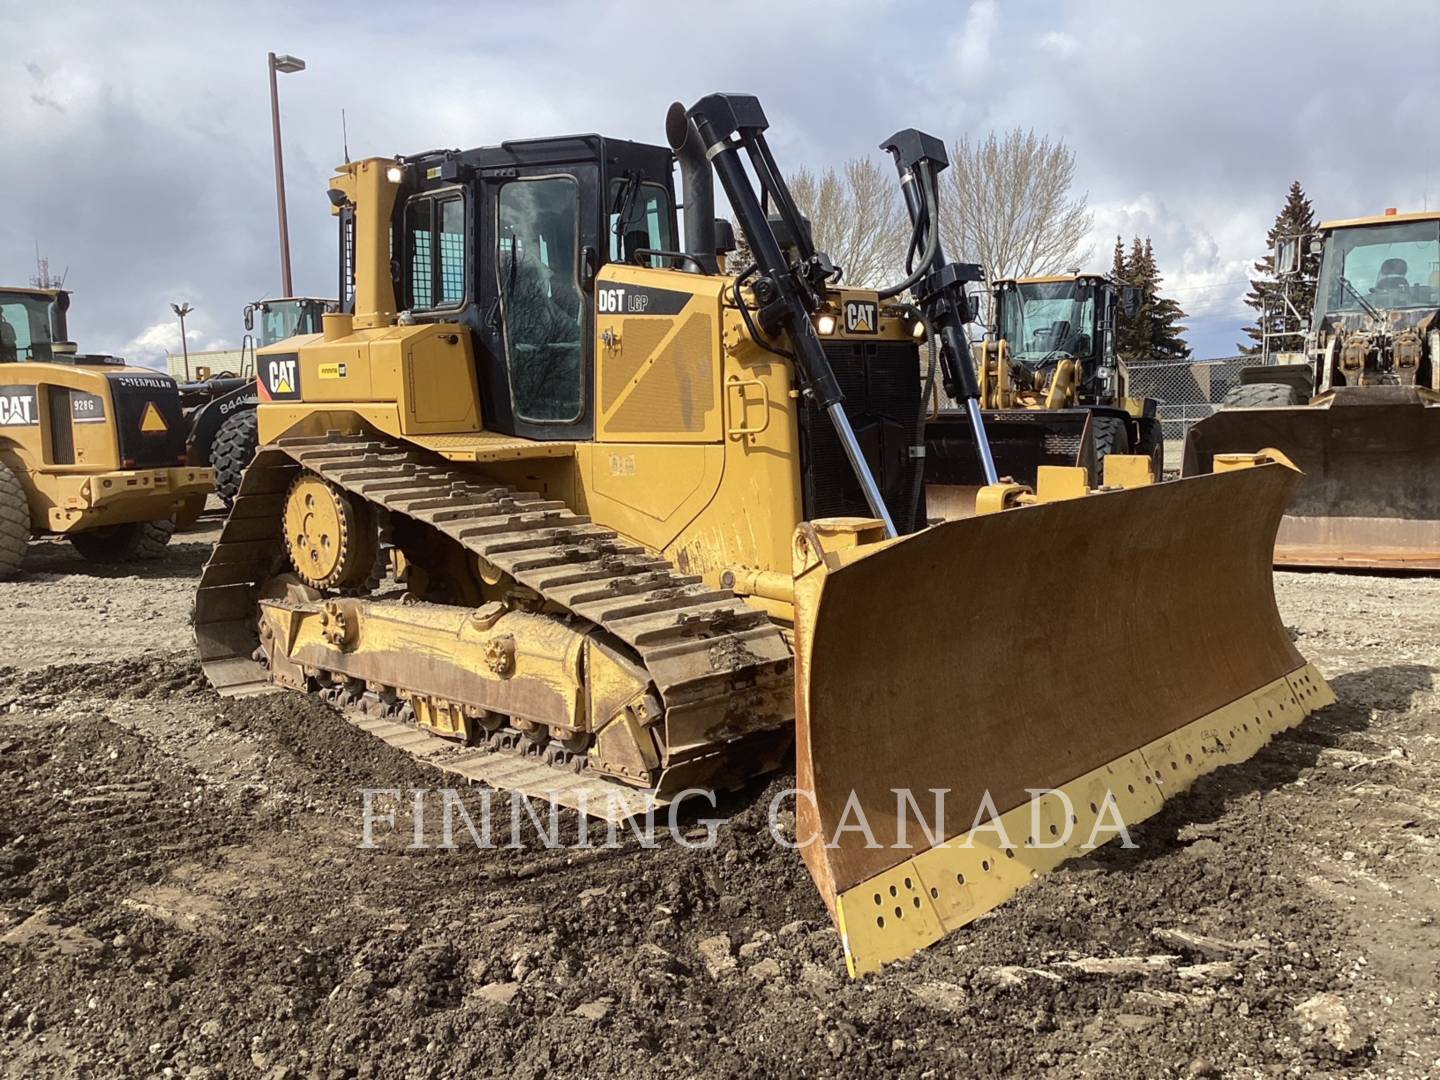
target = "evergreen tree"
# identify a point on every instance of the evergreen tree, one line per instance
(1296, 218)
(1154, 331)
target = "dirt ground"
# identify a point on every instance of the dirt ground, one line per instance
(183, 893)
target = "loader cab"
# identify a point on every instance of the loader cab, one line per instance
(32, 323)
(275, 320)
(1382, 264)
(1377, 295)
(1046, 319)
(507, 241)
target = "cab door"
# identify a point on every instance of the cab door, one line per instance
(540, 238)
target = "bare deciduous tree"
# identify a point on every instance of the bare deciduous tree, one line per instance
(857, 217)
(1006, 204)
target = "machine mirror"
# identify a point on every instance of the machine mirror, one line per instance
(1287, 255)
(1130, 299)
(724, 237)
(249, 316)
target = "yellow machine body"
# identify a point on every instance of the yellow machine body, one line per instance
(649, 607)
(93, 444)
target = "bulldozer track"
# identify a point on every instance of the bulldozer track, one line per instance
(721, 665)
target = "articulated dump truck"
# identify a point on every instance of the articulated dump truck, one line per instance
(602, 523)
(1360, 412)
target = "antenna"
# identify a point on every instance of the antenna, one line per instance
(43, 278)
(344, 137)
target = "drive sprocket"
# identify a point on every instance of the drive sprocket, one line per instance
(330, 535)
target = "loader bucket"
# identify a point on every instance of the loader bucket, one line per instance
(1055, 667)
(1371, 459)
(1021, 441)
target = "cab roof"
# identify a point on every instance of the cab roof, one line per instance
(31, 290)
(1049, 279)
(1381, 219)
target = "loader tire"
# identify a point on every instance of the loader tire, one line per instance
(14, 522)
(131, 542)
(1152, 444)
(1260, 395)
(1111, 437)
(233, 449)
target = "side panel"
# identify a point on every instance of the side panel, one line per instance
(657, 356)
(425, 371)
(696, 452)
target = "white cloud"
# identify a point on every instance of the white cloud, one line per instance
(151, 346)
(1062, 45)
(1188, 121)
(971, 46)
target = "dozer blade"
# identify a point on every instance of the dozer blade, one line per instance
(1060, 667)
(1371, 493)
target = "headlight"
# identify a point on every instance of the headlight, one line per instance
(917, 329)
(825, 324)
(394, 174)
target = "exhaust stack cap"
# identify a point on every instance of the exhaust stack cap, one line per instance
(677, 125)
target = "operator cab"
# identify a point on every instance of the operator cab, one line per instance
(1380, 265)
(32, 322)
(507, 240)
(1046, 319)
(286, 317)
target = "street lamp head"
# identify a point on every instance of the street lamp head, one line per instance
(287, 63)
(181, 309)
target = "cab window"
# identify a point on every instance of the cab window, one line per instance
(537, 243)
(647, 220)
(24, 328)
(435, 240)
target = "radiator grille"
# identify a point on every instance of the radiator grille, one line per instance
(881, 382)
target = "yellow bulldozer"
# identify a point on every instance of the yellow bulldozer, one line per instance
(1359, 408)
(1053, 390)
(90, 449)
(619, 525)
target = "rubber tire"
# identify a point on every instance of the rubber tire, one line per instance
(1111, 436)
(234, 448)
(1152, 444)
(14, 522)
(131, 542)
(1260, 395)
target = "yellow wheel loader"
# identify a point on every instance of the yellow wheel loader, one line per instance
(1359, 410)
(1052, 391)
(90, 449)
(619, 526)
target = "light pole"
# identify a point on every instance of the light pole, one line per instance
(182, 310)
(287, 64)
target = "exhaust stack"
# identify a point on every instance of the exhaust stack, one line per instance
(697, 185)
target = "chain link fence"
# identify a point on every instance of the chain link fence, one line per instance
(1187, 390)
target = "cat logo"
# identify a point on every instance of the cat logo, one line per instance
(17, 406)
(151, 422)
(280, 377)
(862, 317)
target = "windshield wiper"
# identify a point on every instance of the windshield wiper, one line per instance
(1370, 308)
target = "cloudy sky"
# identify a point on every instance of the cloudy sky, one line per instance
(138, 139)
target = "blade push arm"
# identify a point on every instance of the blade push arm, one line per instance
(937, 285)
(787, 295)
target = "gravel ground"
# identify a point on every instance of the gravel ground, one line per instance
(183, 893)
